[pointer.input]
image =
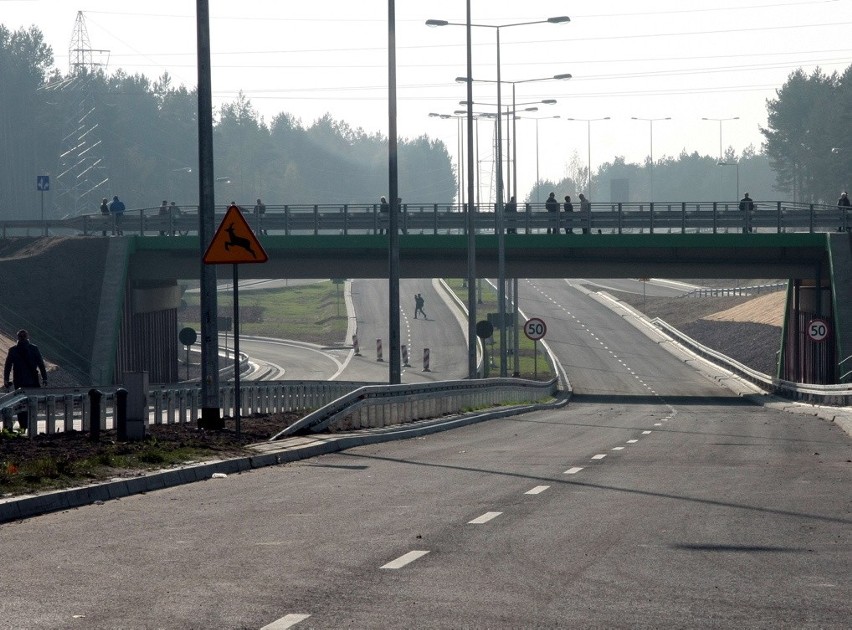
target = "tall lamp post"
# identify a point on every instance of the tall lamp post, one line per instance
(589, 122)
(651, 122)
(501, 245)
(720, 121)
(737, 164)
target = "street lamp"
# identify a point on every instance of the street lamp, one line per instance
(459, 116)
(720, 121)
(589, 122)
(651, 122)
(501, 245)
(737, 164)
(515, 105)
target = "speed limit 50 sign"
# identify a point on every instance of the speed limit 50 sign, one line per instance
(535, 328)
(818, 329)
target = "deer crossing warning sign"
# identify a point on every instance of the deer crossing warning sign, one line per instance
(234, 242)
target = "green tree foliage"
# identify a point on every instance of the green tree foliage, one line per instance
(807, 138)
(147, 132)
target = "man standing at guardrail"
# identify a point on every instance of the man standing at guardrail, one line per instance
(116, 209)
(24, 362)
(842, 204)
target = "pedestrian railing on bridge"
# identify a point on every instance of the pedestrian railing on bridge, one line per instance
(352, 219)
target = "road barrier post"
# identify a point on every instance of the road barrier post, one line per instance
(95, 397)
(405, 362)
(426, 360)
(356, 346)
(379, 350)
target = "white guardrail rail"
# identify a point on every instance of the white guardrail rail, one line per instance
(831, 395)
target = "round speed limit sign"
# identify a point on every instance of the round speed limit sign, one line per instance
(817, 329)
(535, 328)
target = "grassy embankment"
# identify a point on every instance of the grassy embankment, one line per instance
(528, 366)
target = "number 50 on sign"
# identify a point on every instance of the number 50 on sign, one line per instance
(818, 329)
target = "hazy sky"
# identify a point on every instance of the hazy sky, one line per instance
(684, 59)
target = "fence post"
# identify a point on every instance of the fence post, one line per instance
(95, 397)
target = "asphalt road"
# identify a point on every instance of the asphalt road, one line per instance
(655, 499)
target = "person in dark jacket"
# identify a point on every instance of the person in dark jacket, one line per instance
(747, 206)
(24, 363)
(104, 210)
(842, 204)
(552, 206)
(511, 211)
(569, 208)
(116, 209)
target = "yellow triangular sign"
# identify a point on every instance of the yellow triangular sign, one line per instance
(234, 242)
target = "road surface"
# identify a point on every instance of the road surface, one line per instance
(654, 499)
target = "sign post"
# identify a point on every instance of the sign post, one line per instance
(535, 329)
(234, 243)
(187, 337)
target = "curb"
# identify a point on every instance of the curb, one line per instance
(269, 454)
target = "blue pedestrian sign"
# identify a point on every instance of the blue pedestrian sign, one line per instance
(43, 182)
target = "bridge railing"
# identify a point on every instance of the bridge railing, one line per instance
(683, 217)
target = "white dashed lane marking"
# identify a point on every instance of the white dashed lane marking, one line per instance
(618, 448)
(400, 562)
(632, 441)
(574, 470)
(599, 456)
(537, 490)
(479, 520)
(646, 433)
(287, 621)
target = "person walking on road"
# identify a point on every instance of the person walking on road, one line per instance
(24, 363)
(418, 306)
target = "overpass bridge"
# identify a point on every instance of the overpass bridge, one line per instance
(136, 306)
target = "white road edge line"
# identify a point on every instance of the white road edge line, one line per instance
(537, 490)
(573, 471)
(407, 558)
(479, 520)
(287, 621)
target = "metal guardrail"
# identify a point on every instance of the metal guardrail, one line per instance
(735, 291)
(67, 409)
(834, 395)
(375, 406)
(344, 219)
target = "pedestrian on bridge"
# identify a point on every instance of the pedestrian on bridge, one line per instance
(116, 209)
(163, 213)
(842, 204)
(569, 208)
(104, 211)
(511, 215)
(586, 210)
(24, 362)
(259, 212)
(747, 206)
(384, 211)
(552, 207)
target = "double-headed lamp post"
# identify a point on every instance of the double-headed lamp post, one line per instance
(651, 122)
(589, 122)
(501, 251)
(720, 121)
